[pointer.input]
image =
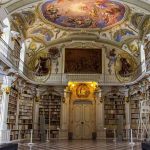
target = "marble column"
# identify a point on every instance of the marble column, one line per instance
(127, 113)
(64, 123)
(101, 132)
(4, 132)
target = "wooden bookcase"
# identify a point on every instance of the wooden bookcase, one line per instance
(25, 117)
(44, 109)
(12, 109)
(55, 106)
(114, 108)
(135, 112)
(50, 110)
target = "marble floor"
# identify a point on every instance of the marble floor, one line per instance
(79, 145)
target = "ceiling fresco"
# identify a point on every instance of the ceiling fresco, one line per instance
(84, 13)
(48, 28)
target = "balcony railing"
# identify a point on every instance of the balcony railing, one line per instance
(8, 56)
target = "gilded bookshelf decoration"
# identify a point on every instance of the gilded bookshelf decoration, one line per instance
(127, 99)
(82, 91)
(7, 90)
(37, 98)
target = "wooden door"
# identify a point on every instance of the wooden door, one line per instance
(83, 120)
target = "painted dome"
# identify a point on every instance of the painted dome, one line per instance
(91, 14)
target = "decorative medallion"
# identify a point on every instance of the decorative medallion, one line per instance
(75, 14)
(82, 90)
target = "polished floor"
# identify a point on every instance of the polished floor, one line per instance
(79, 145)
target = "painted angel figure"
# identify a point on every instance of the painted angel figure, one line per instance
(111, 55)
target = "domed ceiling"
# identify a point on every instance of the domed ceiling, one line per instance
(84, 13)
(51, 27)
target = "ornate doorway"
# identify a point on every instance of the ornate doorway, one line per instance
(83, 119)
(82, 112)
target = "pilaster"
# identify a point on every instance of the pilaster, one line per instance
(36, 109)
(101, 133)
(127, 112)
(63, 133)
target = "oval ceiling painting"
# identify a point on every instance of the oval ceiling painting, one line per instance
(83, 13)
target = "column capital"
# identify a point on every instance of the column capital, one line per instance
(6, 86)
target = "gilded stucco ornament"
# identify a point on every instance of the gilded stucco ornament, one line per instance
(134, 47)
(127, 99)
(6, 89)
(37, 98)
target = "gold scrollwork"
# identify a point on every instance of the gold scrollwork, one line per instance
(37, 98)
(7, 90)
(127, 99)
(82, 91)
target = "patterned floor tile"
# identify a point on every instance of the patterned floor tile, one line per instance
(79, 145)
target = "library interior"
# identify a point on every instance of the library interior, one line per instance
(74, 75)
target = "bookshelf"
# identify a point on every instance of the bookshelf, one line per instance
(50, 110)
(134, 105)
(12, 109)
(44, 109)
(25, 117)
(136, 96)
(55, 106)
(114, 108)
